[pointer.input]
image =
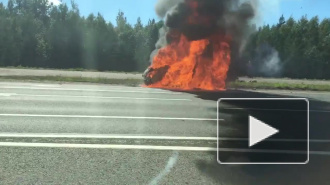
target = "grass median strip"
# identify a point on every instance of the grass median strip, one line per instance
(128, 82)
(137, 82)
(279, 85)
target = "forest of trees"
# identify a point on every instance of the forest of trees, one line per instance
(303, 47)
(35, 33)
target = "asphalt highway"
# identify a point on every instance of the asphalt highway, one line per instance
(102, 134)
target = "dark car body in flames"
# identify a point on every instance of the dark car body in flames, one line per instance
(152, 75)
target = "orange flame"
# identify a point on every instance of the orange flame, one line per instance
(201, 64)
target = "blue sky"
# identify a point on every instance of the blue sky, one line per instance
(273, 9)
(270, 10)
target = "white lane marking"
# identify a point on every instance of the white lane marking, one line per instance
(104, 136)
(93, 90)
(105, 146)
(106, 117)
(45, 85)
(7, 94)
(275, 140)
(99, 97)
(170, 164)
(26, 84)
(152, 147)
(100, 136)
(237, 108)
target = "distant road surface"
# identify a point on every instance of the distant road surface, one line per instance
(103, 134)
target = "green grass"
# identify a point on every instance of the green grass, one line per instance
(69, 69)
(128, 82)
(280, 86)
(137, 82)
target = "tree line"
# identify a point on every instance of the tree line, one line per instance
(303, 47)
(36, 33)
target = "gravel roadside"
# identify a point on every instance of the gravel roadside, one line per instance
(286, 80)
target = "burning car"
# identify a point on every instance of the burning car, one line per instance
(153, 75)
(196, 44)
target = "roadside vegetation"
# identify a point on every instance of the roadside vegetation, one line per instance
(63, 79)
(69, 69)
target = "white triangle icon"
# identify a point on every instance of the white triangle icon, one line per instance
(259, 131)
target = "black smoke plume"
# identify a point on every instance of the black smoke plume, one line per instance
(199, 19)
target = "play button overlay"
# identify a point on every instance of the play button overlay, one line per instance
(259, 131)
(263, 131)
